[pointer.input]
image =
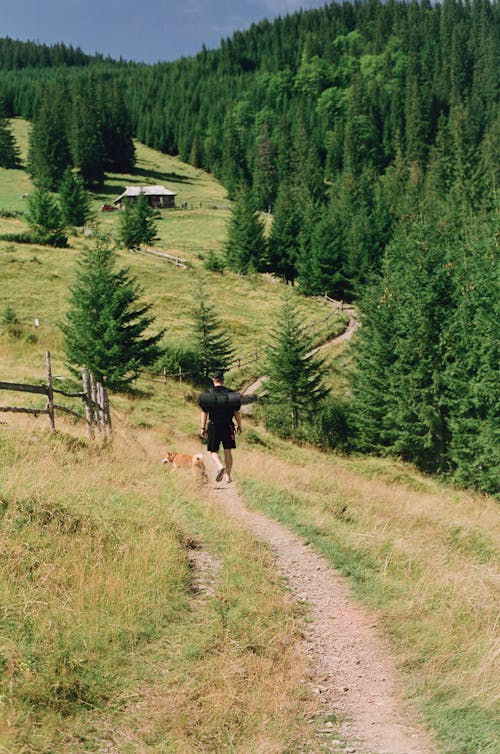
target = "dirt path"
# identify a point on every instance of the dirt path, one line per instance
(353, 672)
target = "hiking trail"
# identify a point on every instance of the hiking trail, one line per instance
(352, 670)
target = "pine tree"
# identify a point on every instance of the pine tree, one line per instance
(73, 199)
(284, 241)
(294, 387)
(45, 219)
(9, 152)
(322, 269)
(87, 145)
(106, 326)
(245, 248)
(471, 370)
(137, 222)
(49, 153)
(211, 344)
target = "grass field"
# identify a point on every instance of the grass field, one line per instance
(105, 642)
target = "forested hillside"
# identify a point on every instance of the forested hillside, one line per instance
(370, 131)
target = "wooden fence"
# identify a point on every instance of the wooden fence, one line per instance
(94, 396)
(182, 263)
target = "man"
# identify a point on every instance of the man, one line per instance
(220, 428)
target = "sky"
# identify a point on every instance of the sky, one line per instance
(148, 31)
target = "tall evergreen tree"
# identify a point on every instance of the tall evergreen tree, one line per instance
(107, 328)
(137, 222)
(85, 136)
(9, 151)
(294, 385)
(74, 200)
(210, 342)
(45, 219)
(49, 153)
(246, 245)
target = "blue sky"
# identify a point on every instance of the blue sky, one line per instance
(144, 30)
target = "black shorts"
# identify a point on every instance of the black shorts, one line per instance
(220, 433)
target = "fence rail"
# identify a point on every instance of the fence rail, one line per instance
(94, 396)
(182, 263)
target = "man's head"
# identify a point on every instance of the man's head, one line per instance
(218, 376)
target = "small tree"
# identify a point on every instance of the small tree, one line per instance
(45, 219)
(294, 386)
(73, 199)
(211, 344)
(137, 222)
(105, 327)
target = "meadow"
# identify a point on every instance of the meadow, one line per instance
(107, 641)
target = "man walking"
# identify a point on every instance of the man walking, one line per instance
(217, 425)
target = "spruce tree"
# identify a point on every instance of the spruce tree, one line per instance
(107, 328)
(294, 385)
(9, 152)
(73, 199)
(45, 219)
(49, 152)
(245, 248)
(211, 343)
(86, 140)
(137, 222)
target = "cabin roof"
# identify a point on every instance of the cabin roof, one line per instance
(148, 190)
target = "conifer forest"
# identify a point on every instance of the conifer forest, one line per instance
(370, 131)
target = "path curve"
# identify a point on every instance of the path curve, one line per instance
(352, 325)
(353, 670)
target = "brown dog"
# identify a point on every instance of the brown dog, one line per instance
(179, 460)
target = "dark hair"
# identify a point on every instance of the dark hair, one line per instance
(219, 375)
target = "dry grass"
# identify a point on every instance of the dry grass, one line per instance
(103, 643)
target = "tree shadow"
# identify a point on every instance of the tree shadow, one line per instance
(159, 176)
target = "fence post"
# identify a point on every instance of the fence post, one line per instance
(164, 372)
(107, 412)
(50, 392)
(95, 402)
(89, 412)
(180, 374)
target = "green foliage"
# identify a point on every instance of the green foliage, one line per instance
(45, 219)
(214, 262)
(293, 389)
(211, 344)
(49, 152)
(9, 152)
(106, 327)
(137, 223)
(245, 248)
(425, 386)
(9, 316)
(73, 199)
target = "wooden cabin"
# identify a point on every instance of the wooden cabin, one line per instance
(158, 196)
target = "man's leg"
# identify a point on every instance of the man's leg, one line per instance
(228, 458)
(213, 442)
(218, 463)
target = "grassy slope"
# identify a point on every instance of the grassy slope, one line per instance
(101, 636)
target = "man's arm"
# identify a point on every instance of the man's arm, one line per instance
(203, 423)
(237, 416)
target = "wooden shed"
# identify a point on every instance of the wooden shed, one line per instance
(158, 196)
